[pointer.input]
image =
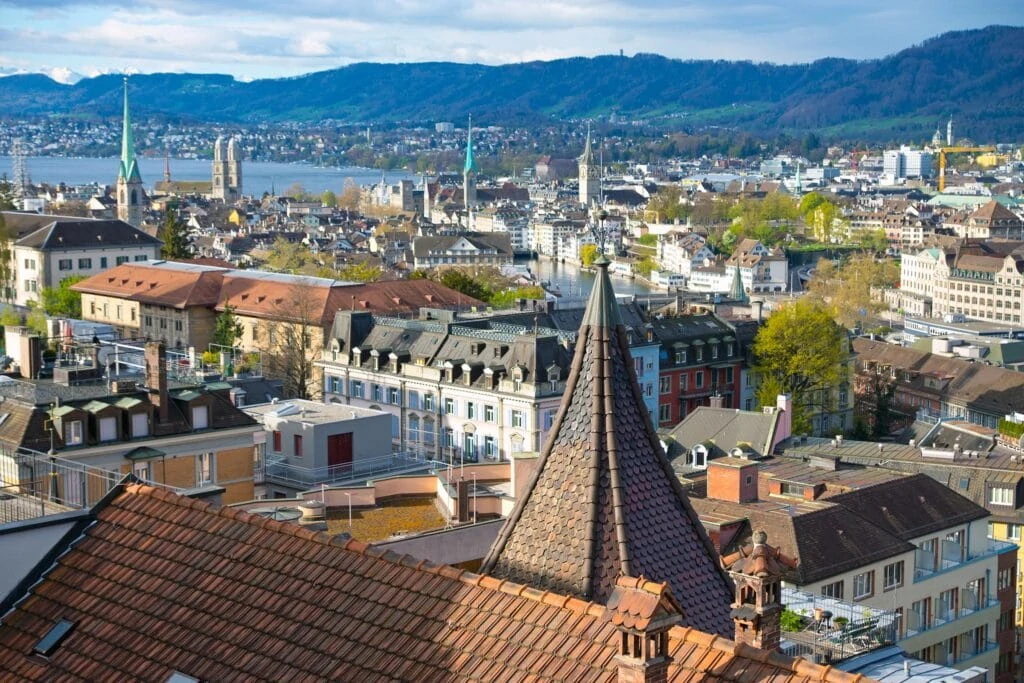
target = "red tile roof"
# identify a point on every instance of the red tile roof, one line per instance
(161, 583)
(605, 502)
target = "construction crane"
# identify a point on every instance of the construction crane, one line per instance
(943, 151)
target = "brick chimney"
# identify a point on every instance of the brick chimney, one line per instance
(644, 612)
(732, 479)
(757, 610)
(156, 379)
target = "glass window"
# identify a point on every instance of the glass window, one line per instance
(664, 413)
(414, 428)
(428, 401)
(470, 410)
(85, 263)
(205, 469)
(65, 264)
(664, 385)
(517, 418)
(833, 590)
(277, 441)
(892, 575)
(357, 388)
(449, 406)
(998, 495)
(863, 585)
(489, 413)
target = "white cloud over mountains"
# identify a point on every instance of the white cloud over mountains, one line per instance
(264, 38)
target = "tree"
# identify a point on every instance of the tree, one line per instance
(588, 252)
(227, 328)
(6, 262)
(293, 342)
(62, 301)
(328, 198)
(350, 195)
(360, 272)
(289, 257)
(648, 240)
(846, 290)
(799, 352)
(9, 317)
(462, 282)
(175, 239)
(7, 195)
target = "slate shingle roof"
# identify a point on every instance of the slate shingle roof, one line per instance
(604, 501)
(161, 583)
(71, 232)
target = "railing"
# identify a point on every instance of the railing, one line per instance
(993, 547)
(278, 470)
(34, 484)
(970, 651)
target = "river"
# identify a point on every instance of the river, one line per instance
(573, 282)
(257, 176)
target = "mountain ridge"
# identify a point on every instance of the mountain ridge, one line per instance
(974, 75)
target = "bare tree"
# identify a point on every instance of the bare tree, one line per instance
(294, 341)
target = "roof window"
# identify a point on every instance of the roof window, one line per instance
(53, 638)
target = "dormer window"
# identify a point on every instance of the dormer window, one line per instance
(1000, 495)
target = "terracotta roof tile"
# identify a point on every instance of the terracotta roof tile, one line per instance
(149, 595)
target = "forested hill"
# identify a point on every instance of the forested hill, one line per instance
(977, 76)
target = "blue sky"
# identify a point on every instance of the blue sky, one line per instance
(270, 38)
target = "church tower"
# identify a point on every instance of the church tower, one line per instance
(234, 167)
(469, 172)
(220, 170)
(130, 194)
(590, 176)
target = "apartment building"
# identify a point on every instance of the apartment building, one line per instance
(882, 541)
(468, 250)
(46, 250)
(982, 281)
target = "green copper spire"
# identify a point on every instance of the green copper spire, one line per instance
(736, 292)
(470, 166)
(602, 308)
(587, 158)
(129, 169)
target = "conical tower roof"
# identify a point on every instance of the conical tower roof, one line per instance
(470, 165)
(605, 502)
(736, 292)
(587, 158)
(129, 169)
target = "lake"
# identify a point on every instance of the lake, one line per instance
(257, 176)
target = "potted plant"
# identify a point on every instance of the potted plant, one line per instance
(840, 622)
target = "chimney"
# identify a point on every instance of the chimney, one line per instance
(716, 401)
(156, 379)
(644, 612)
(756, 306)
(784, 423)
(757, 609)
(733, 480)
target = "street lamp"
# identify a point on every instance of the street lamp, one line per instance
(349, 495)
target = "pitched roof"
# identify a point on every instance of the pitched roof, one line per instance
(72, 232)
(161, 583)
(726, 428)
(164, 283)
(604, 501)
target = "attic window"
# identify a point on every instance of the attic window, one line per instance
(178, 677)
(53, 638)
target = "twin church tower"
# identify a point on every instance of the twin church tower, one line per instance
(227, 172)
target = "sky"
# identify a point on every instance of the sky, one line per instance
(270, 38)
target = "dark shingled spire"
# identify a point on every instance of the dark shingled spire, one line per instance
(605, 502)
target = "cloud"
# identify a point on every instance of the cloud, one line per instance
(264, 38)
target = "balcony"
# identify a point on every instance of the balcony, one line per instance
(926, 567)
(970, 602)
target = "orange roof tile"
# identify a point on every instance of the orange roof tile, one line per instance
(162, 583)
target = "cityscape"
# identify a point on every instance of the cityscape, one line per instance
(629, 396)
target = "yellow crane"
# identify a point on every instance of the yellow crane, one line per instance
(953, 150)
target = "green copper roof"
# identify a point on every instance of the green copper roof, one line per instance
(470, 166)
(736, 292)
(587, 158)
(129, 169)
(602, 308)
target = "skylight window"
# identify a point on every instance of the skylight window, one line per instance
(53, 638)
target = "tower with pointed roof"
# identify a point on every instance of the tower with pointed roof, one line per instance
(736, 292)
(590, 175)
(469, 171)
(234, 169)
(130, 194)
(604, 502)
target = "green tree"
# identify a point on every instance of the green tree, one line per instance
(227, 328)
(6, 261)
(36, 321)
(62, 301)
(648, 240)
(360, 272)
(848, 291)
(9, 317)
(289, 257)
(799, 352)
(463, 282)
(588, 252)
(328, 198)
(174, 237)
(508, 297)
(7, 195)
